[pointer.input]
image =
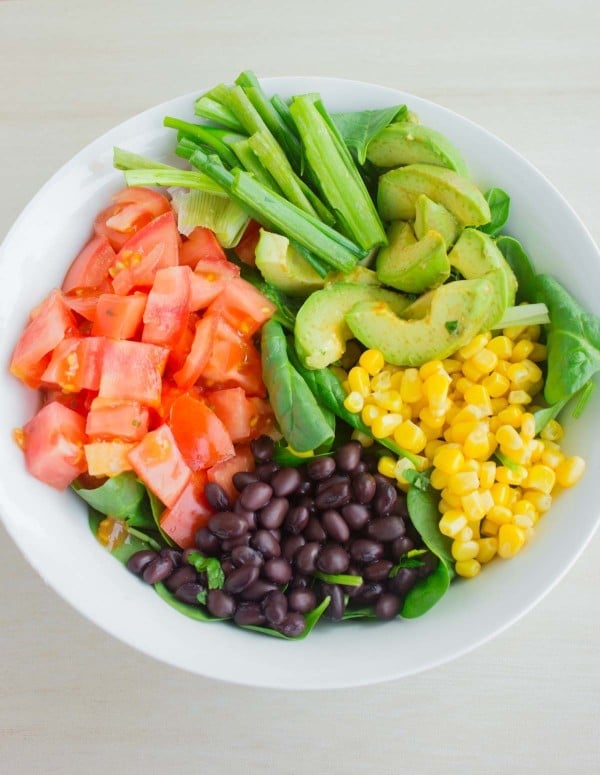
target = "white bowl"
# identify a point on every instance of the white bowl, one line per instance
(51, 527)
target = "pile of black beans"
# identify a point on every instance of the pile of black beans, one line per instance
(333, 515)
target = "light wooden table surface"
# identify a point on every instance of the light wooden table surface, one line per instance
(72, 699)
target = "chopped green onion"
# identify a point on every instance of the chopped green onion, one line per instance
(524, 315)
(339, 578)
(217, 213)
(126, 160)
(173, 177)
(253, 164)
(205, 135)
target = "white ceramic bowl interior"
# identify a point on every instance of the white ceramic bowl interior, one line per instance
(51, 528)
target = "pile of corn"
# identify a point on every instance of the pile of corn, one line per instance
(460, 417)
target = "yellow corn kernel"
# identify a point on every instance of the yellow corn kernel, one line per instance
(430, 368)
(501, 515)
(502, 368)
(388, 399)
(385, 425)
(346, 386)
(510, 541)
(432, 419)
(485, 360)
(570, 470)
(509, 439)
(466, 534)
(354, 402)
(471, 465)
(502, 346)
(477, 395)
(436, 389)
(443, 507)
(370, 413)
(403, 464)
(468, 569)
(431, 433)
(487, 549)
(373, 361)
(498, 404)
(540, 500)
(535, 450)
(462, 383)
(516, 475)
(539, 353)
(411, 387)
(525, 522)
(358, 380)
(553, 431)
(474, 346)
(496, 384)
(493, 443)
(451, 365)
(453, 410)
(526, 508)
(527, 426)
(489, 528)
(449, 458)
(409, 436)
(421, 462)
(473, 505)
(521, 350)
(387, 466)
(551, 454)
(448, 435)
(474, 526)
(514, 332)
(463, 482)
(471, 371)
(451, 498)
(363, 438)
(512, 415)
(519, 397)
(432, 446)
(487, 474)
(518, 374)
(459, 431)
(501, 493)
(452, 523)
(382, 380)
(477, 444)
(533, 370)
(464, 550)
(540, 477)
(468, 413)
(533, 333)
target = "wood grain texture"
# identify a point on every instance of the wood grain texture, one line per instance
(74, 700)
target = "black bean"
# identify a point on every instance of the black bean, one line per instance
(386, 528)
(335, 526)
(262, 447)
(361, 467)
(403, 581)
(207, 542)
(348, 456)
(231, 543)
(278, 570)
(249, 614)
(217, 497)
(385, 498)
(286, 481)
(335, 479)
(337, 605)
(138, 561)
(226, 524)
(188, 592)
(245, 555)
(313, 531)
(320, 468)
(306, 558)
(308, 502)
(265, 471)
(387, 606)
(401, 546)
(240, 578)
(264, 542)
(366, 550)
(377, 571)
(293, 625)
(242, 479)
(333, 497)
(275, 607)
(300, 582)
(400, 508)
(184, 575)
(364, 487)
(291, 544)
(173, 554)
(255, 495)
(333, 559)
(249, 516)
(353, 570)
(272, 515)
(369, 592)
(276, 533)
(258, 589)
(305, 488)
(227, 565)
(220, 604)
(157, 570)
(356, 515)
(302, 600)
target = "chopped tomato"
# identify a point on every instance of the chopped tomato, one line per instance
(90, 267)
(222, 473)
(107, 458)
(166, 313)
(237, 412)
(85, 300)
(201, 243)
(216, 269)
(181, 349)
(204, 290)
(79, 402)
(246, 247)
(199, 353)
(242, 306)
(110, 419)
(76, 364)
(160, 465)
(53, 445)
(132, 371)
(49, 323)
(119, 317)
(234, 362)
(131, 210)
(200, 435)
(188, 514)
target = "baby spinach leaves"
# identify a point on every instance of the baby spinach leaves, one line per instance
(191, 611)
(311, 618)
(120, 496)
(359, 128)
(499, 202)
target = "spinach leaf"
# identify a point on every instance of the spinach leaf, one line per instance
(312, 617)
(359, 128)
(543, 416)
(519, 262)
(304, 424)
(121, 496)
(364, 612)
(499, 202)
(201, 614)
(134, 542)
(427, 592)
(156, 508)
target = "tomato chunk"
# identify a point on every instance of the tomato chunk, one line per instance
(119, 317)
(234, 362)
(132, 371)
(131, 210)
(90, 267)
(188, 514)
(157, 461)
(242, 306)
(166, 313)
(107, 458)
(53, 445)
(246, 247)
(199, 353)
(201, 243)
(76, 364)
(222, 473)
(237, 412)
(200, 435)
(110, 419)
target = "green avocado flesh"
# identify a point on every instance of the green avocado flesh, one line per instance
(413, 268)
(399, 190)
(454, 315)
(406, 143)
(321, 332)
(283, 267)
(431, 215)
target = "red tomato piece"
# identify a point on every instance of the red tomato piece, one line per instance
(76, 364)
(132, 371)
(242, 306)
(49, 323)
(90, 267)
(160, 465)
(216, 269)
(181, 349)
(107, 458)
(53, 445)
(199, 354)
(79, 402)
(234, 362)
(113, 419)
(119, 317)
(167, 309)
(200, 435)
(246, 247)
(85, 300)
(154, 247)
(131, 210)
(201, 243)
(203, 290)
(222, 473)
(237, 412)
(188, 514)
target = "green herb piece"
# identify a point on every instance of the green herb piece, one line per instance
(418, 479)
(499, 202)
(584, 397)
(358, 128)
(191, 611)
(508, 462)
(311, 618)
(339, 578)
(209, 565)
(208, 136)
(451, 326)
(408, 560)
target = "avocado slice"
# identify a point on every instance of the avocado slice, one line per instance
(407, 143)
(399, 189)
(476, 255)
(321, 332)
(414, 268)
(431, 215)
(283, 267)
(454, 316)
(360, 275)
